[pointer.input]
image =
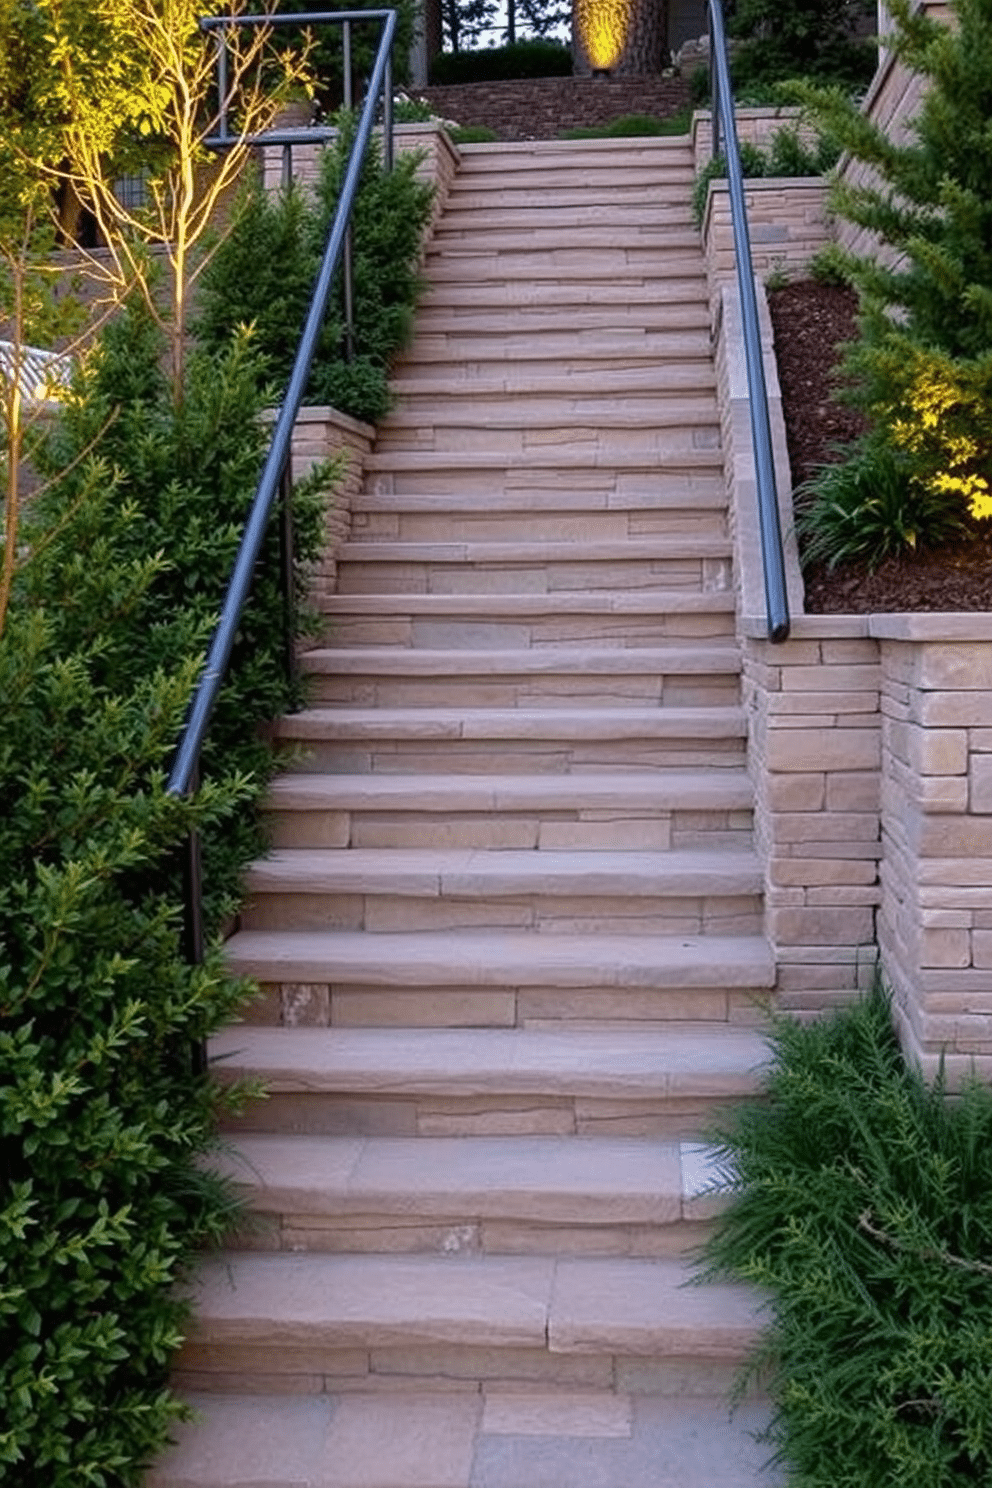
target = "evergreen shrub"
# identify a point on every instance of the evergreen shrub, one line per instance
(262, 275)
(778, 39)
(104, 1119)
(787, 154)
(921, 367)
(863, 1206)
(535, 58)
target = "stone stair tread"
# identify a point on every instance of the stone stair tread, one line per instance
(611, 380)
(474, 872)
(608, 1061)
(512, 723)
(565, 211)
(717, 790)
(523, 1438)
(566, 1305)
(705, 658)
(669, 288)
(599, 236)
(592, 550)
(563, 602)
(560, 458)
(682, 411)
(553, 1180)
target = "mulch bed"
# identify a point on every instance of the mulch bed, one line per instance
(810, 321)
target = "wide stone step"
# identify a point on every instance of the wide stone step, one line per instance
(473, 1195)
(564, 214)
(410, 1035)
(264, 1311)
(695, 562)
(661, 408)
(599, 251)
(616, 344)
(513, 740)
(524, 1437)
(542, 812)
(384, 890)
(405, 518)
(595, 274)
(704, 675)
(597, 189)
(617, 619)
(617, 383)
(621, 476)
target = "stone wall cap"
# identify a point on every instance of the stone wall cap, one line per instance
(810, 627)
(323, 413)
(932, 626)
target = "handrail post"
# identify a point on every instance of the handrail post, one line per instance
(346, 62)
(222, 83)
(194, 940)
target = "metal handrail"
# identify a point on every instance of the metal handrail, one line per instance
(183, 775)
(772, 555)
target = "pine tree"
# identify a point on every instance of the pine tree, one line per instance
(799, 38)
(922, 366)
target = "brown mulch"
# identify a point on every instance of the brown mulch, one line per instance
(810, 321)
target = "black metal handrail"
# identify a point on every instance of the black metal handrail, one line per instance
(275, 473)
(723, 118)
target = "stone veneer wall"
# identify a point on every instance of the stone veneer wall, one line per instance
(321, 433)
(935, 923)
(870, 748)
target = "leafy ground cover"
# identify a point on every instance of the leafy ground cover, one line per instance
(864, 1208)
(811, 319)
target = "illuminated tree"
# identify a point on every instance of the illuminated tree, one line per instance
(623, 36)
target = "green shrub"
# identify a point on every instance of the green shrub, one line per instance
(869, 506)
(863, 1205)
(104, 1121)
(263, 274)
(753, 163)
(629, 126)
(522, 59)
(776, 39)
(473, 134)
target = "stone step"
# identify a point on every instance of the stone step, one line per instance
(657, 151)
(565, 214)
(694, 562)
(473, 1195)
(454, 1436)
(513, 741)
(599, 251)
(675, 287)
(591, 275)
(689, 892)
(407, 518)
(661, 408)
(616, 383)
(268, 1315)
(625, 475)
(594, 186)
(706, 674)
(676, 810)
(617, 619)
(409, 1035)
(619, 345)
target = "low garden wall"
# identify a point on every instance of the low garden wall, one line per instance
(870, 750)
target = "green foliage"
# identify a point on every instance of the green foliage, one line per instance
(190, 471)
(522, 59)
(778, 39)
(787, 154)
(473, 134)
(629, 126)
(829, 266)
(753, 163)
(103, 1122)
(869, 506)
(263, 275)
(922, 365)
(327, 56)
(864, 1207)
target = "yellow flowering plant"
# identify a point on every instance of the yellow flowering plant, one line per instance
(942, 420)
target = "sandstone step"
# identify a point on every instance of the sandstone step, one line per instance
(525, 1437)
(512, 740)
(619, 618)
(705, 674)
(690, 892)
(674, 810)
(660, 408)
(598, 251)
(626, 476)
(405, 517)
(694, 561)
(261, 1310)
(595, 185)
(617, 383)
(616, 344)
(593, 274)
(565, 214)
(473, 1195)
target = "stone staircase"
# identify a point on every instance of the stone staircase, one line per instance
(509, 934)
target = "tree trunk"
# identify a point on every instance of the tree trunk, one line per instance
(620, 36)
